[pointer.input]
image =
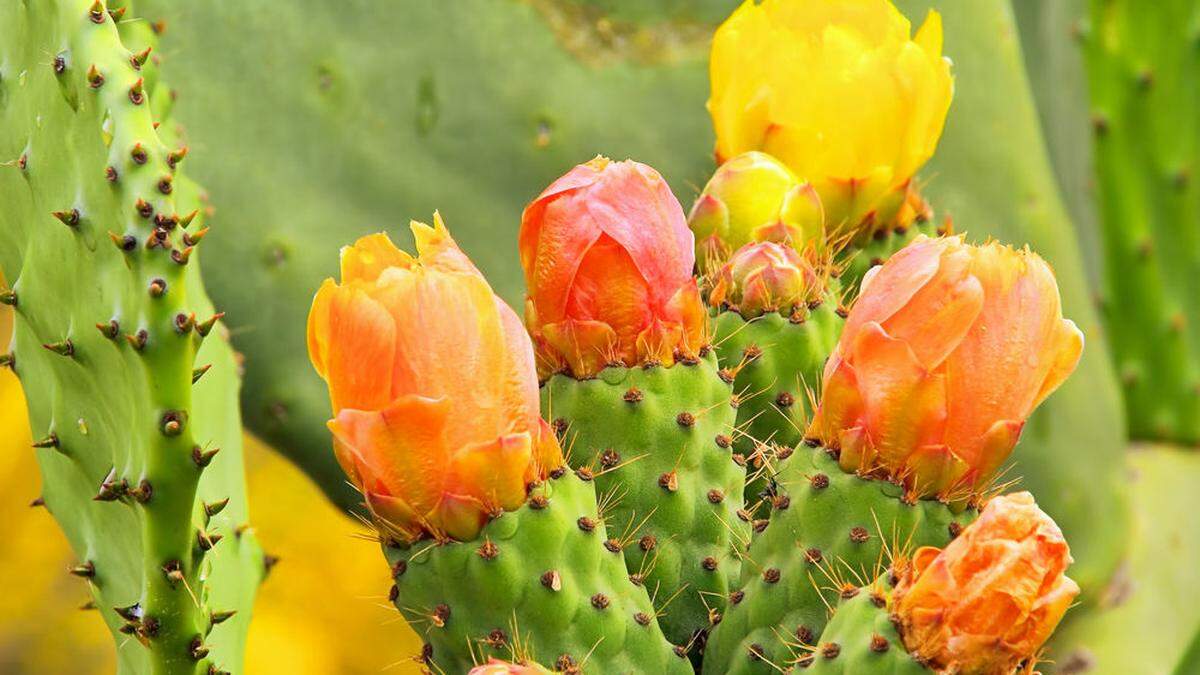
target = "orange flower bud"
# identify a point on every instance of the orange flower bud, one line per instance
(497, 667)
(946, 352)
(766, 277)
(433, 386)
(992, 597)
(608, 265)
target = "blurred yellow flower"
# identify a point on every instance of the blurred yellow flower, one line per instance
(838, 91)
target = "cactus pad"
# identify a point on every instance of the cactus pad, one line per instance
(130, 389)
(657, 441)
(775, 363)
(538, 584)
(860, 639)
(829, 532)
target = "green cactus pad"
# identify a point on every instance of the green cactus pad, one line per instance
(860, 639)
(658, 442)
(776, 363)
(829, 531)
(1142, 69)
(538, 584)
(126, 395)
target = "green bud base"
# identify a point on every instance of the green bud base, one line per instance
(657, 441)
(861, 639)
(538, 584)
(829, 531)
(776, 362)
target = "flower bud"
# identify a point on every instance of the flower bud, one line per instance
(498, 667)
(947, 350)
(766, 277)
(836, 90)
(608, 266)
(433, 387)
(753, 197)
(991, 598)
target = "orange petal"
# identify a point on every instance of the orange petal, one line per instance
(370, 256)
(401, 451)
(893, 284)
(438, 250)
(905, 404)
(350, 337)
(587, 346)
(493, 472)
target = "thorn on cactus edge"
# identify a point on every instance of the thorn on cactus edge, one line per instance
(213, 508)
(84, 570)
(203, 457)
(222, 616)
(62, 347)
(50, 441)
(197, 649)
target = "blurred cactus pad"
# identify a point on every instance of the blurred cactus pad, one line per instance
(353, 118)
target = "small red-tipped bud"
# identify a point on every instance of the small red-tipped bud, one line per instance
(181, 257)
(97, 13)
(766, 277)
(138, 155)
(109, 330)
(138, 340)
(117, 13)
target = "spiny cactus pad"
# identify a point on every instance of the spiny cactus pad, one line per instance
(1142, 69)
(538, 584)
(829, 531)
(130, 389)
(860, 639)
(657, 441)
(775, 363)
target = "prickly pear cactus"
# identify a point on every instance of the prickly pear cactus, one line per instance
(861, 639)
(131, 387)
(657, 443)
(1142, 69)
(775, 364)
(538, 584)
(827, 533)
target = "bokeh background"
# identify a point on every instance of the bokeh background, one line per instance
(311, 123)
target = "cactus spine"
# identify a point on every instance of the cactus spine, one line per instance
(110, 341)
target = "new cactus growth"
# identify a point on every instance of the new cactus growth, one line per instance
(778, 317)
(943, 356)
(495, 548)
(622, 338)
(985, 604)
(130, 389)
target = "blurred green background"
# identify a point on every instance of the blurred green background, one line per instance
(311, 123)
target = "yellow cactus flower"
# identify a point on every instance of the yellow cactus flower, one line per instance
(840, 91)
